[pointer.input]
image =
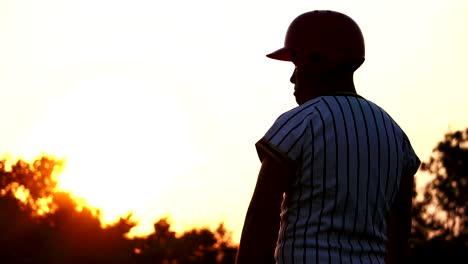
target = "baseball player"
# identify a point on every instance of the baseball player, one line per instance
(335, 185)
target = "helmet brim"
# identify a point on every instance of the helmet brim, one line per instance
(283, 54)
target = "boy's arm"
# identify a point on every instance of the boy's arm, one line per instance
(261, 226)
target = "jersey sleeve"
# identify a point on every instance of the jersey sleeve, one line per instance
(284, 140)
(266, 148)
(411, 161)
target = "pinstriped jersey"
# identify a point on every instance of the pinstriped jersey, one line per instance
(348, 156)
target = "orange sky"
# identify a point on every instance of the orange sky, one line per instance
(157, 105)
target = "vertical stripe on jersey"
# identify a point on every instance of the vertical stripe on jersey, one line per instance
(368, 172)
(312, 157)
(297, 139)
(324, 182)
(347, 177)
(298, 204)
(378, 175)
(336, 178)
(286, 135)
(358, 169)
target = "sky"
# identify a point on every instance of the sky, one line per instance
(157, 105)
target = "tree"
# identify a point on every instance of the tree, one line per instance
(192, 246)
(440, 223)
(40, 224)
(44, 225)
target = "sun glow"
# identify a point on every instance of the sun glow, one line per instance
(125, 145)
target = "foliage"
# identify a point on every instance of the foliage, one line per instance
(194, 246)
(43, 225)
(440, 222)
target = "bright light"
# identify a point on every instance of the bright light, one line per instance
(126, 143)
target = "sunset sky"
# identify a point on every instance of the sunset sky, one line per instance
(157, 105)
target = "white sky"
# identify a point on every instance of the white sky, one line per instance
(158, 104)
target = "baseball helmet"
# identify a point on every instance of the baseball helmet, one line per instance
(328, 34)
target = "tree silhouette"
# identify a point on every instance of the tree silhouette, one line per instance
(441, 219)
(47, 226)
(193, 246)
(39, 224)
